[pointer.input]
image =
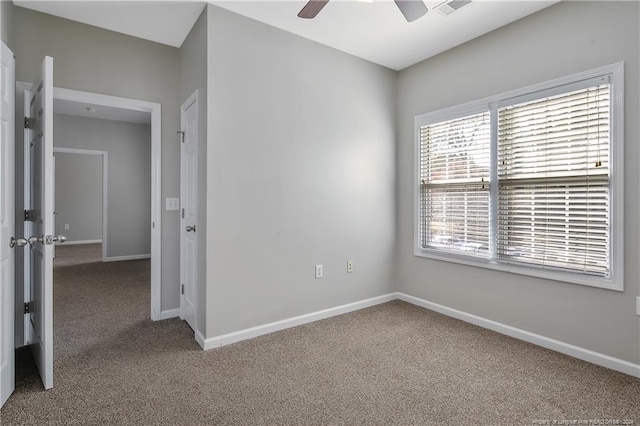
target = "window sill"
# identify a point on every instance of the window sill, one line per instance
(567, 277)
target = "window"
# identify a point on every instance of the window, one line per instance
(528, 182)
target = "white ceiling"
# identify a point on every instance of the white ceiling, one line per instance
(373, 31)
(378, 32)
(81, 109)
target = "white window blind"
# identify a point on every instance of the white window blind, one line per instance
(553, 178)
(454, 185)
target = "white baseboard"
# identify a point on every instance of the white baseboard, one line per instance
(73, 243)
(131, 257)
(249, 333)
(546, 342)
(169, 313)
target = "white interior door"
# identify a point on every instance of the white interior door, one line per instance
(40, 201)
(189, 211)
(7, 222)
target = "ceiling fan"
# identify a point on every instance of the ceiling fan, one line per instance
(411, 9)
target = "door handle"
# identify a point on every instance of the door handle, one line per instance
(190, 228)
(19, 242)
(47, 240)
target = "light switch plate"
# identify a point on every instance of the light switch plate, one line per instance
(637, 305)
(173, 204)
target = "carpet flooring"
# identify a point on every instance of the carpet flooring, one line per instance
(390, 364)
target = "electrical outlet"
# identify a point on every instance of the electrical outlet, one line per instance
(349, 265)
(319, 272)
(66, 226)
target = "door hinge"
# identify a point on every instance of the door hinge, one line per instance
(183, 213)
(30, 215)
(28, 307)
(181, 288)
(28, 123)
(181, 136)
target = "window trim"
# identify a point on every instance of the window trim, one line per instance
(615, 281)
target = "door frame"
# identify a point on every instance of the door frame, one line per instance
(156, 175)
(105, 180)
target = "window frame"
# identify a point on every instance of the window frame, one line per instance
(615, 73)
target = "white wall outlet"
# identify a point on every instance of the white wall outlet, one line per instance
(349, 265)
(66, 226)
(173, 204)
(637, 305)
(319, 271)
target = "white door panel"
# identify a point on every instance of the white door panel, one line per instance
(40, 201)
(189, 211)
(7, 223)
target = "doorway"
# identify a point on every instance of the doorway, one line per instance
(154, 110)
(80, 196)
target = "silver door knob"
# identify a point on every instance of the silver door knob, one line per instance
(47, 240)
(190, 228)
(20, 242)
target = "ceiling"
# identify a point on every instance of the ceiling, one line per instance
(375, 31)
(379, 33)
(82, 109)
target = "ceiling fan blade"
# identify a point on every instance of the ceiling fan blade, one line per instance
(312, 8)
(411, 9)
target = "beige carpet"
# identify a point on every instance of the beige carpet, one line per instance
(390, 364)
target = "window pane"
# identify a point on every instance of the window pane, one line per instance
(564, 135)
(562, 225)
(456, 150)
(456, 219)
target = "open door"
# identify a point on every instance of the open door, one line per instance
(7, 223)
(40, 215)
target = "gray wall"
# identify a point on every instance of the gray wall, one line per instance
(193, 74)
(129, 176)
(6, 23)
(301, 171)
(78, 196)
(566, 38)
(96, 60)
